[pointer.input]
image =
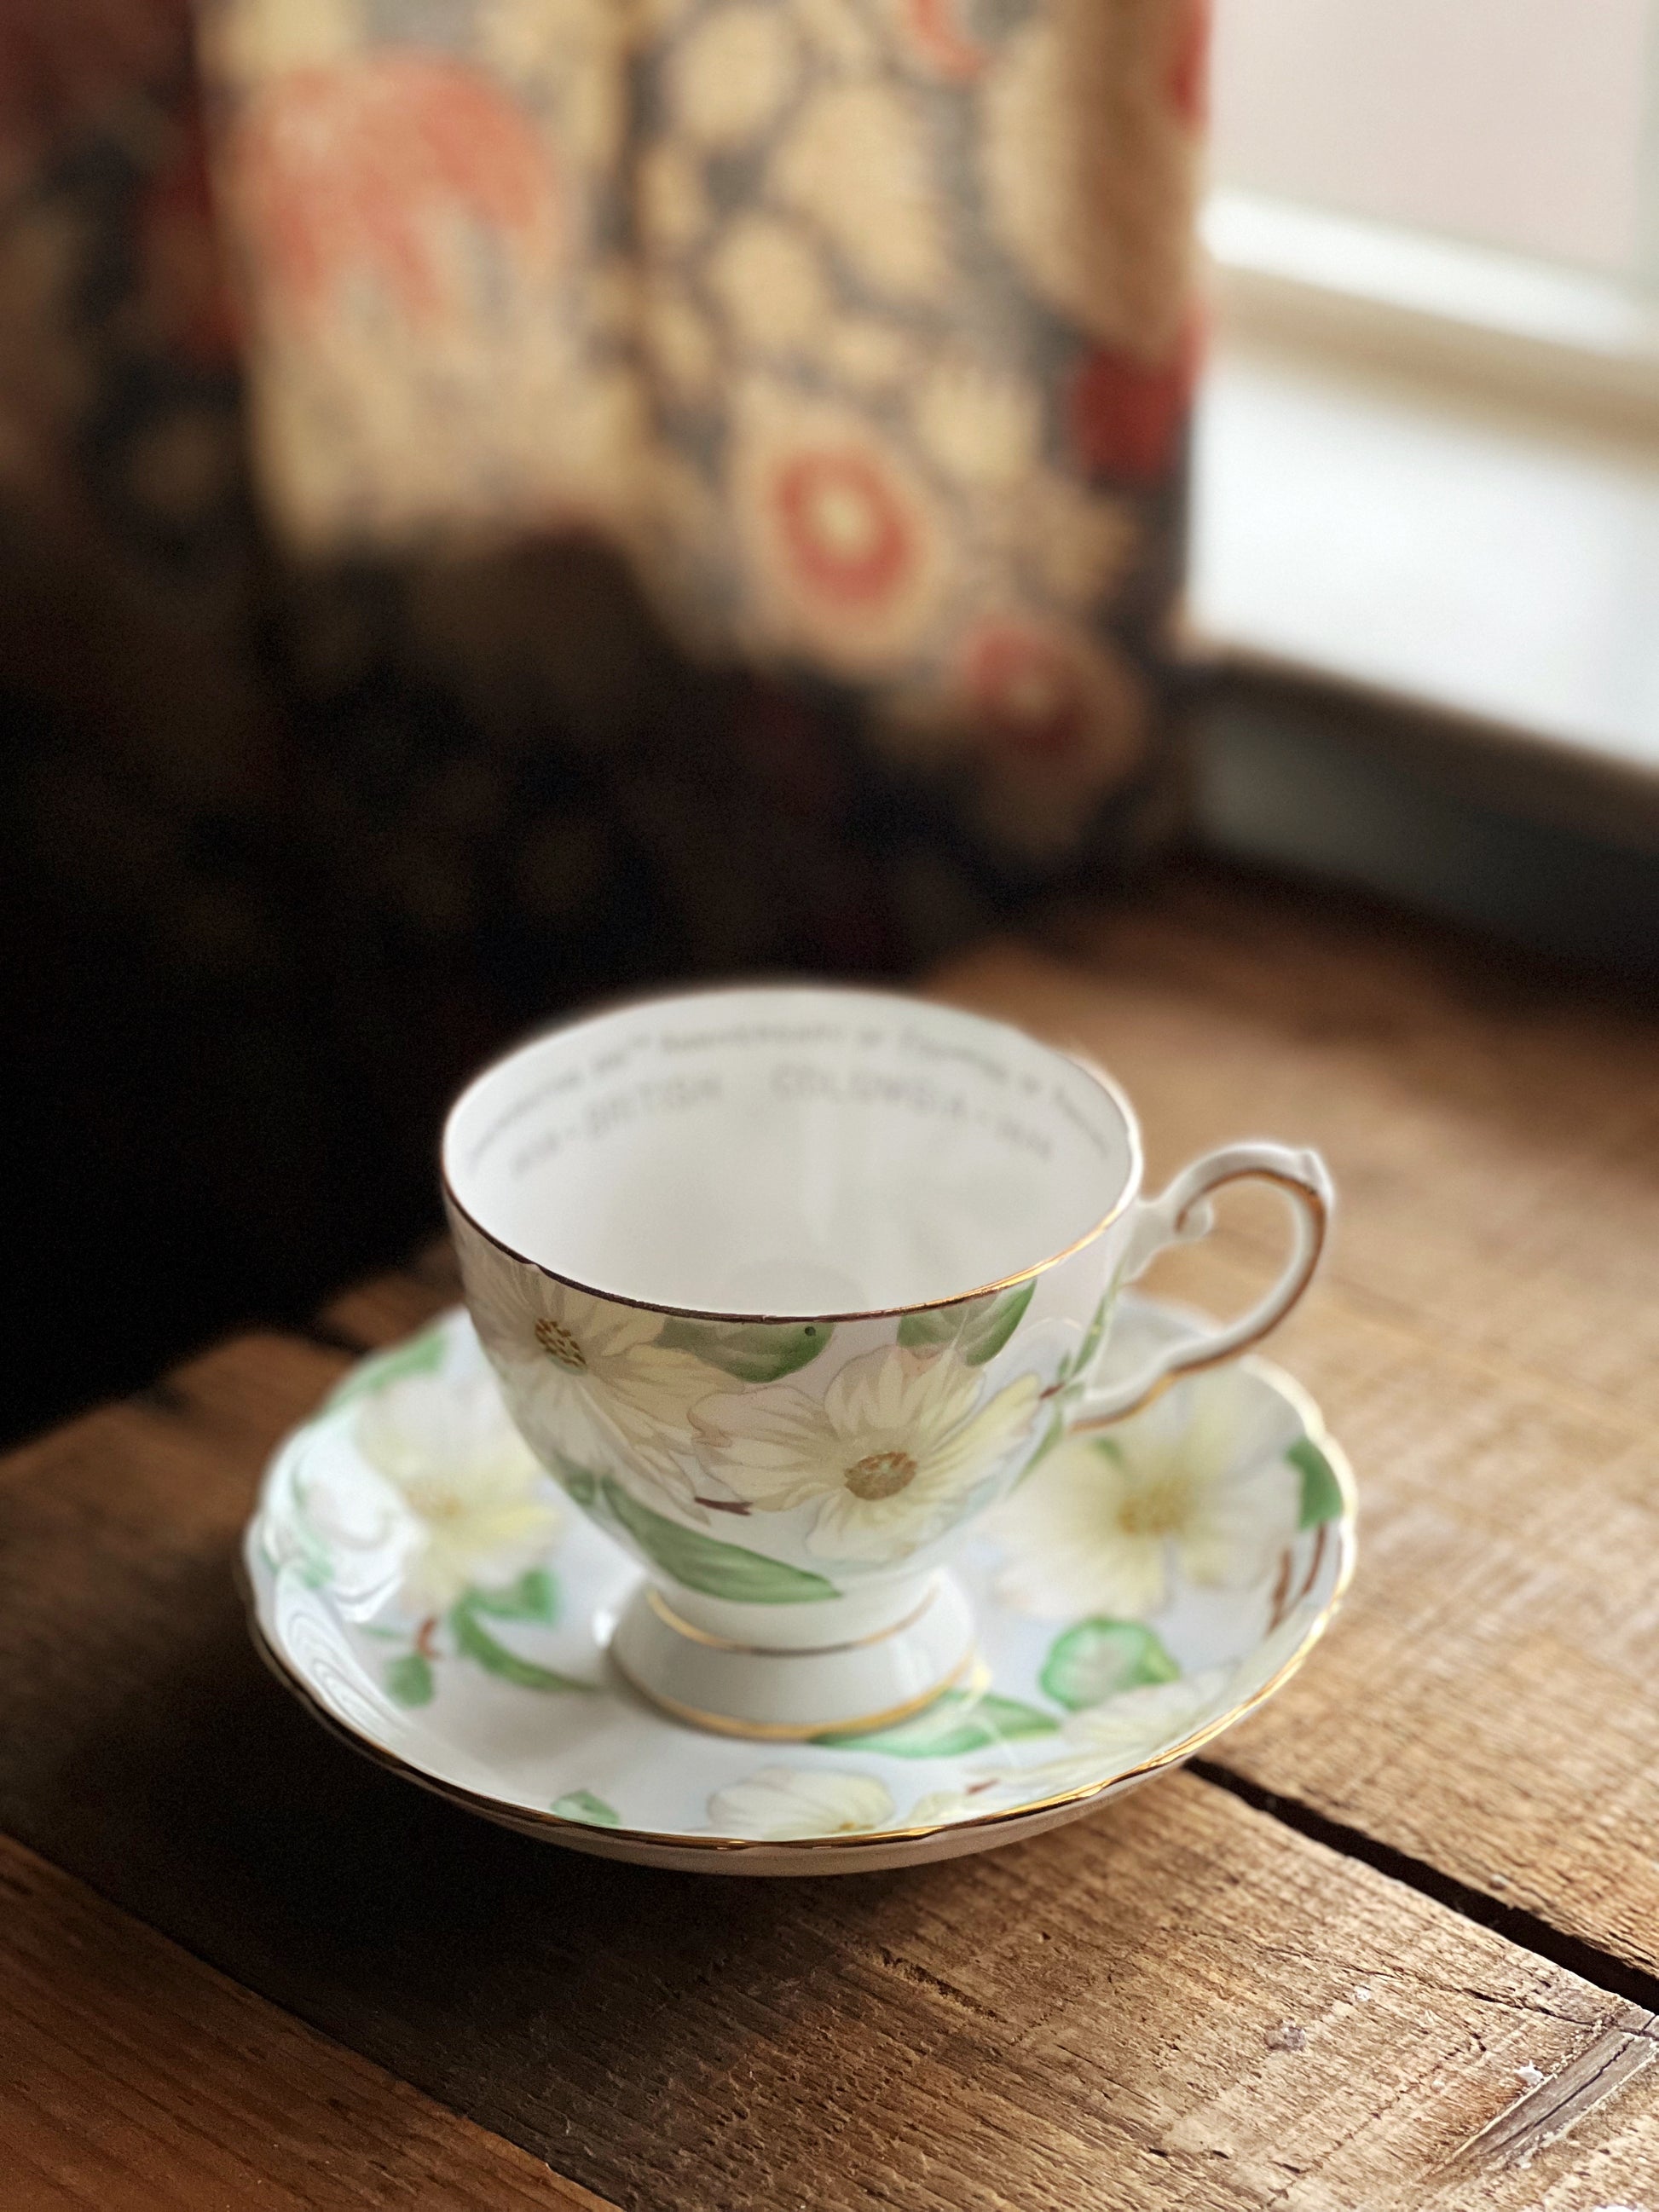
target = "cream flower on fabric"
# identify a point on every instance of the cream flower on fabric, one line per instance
(769, 282)
(670, 201)
(734, 72)
(587, 1378)
(786, 1803)
(890, 1453)
(1198, 1483)
(856, 163)
(247, 40)
(980, 427)
(1088, 169)
(480, 1508)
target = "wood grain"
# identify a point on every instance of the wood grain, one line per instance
(133, 2077)
(1482, 1342)
(1178, 2003)
(1485, 1341)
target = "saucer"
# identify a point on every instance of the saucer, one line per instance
(1139, 1591)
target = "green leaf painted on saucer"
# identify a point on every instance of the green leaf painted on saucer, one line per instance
(582, 1805)
(703, 1563)
(474, 1641)
(978, 1330)
(534, 1597)
(1096, 1659)
(750, 1351)
(421, 1355)
(955, 1723)
(1322, 1493)
(409, 1680)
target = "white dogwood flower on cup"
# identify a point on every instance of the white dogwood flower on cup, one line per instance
(1198, 1482)
(786, 1803)
(587, 1377)
(890, 1453)
(479, 1510)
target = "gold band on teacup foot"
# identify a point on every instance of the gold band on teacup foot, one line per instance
(792, 1731)
(665, 1613)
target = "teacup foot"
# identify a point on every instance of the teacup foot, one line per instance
(665, 1644)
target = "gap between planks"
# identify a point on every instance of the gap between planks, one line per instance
(1529, 1931)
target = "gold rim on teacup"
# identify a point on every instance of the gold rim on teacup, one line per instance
(633, 1190)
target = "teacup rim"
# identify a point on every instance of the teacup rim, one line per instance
(622, 1002)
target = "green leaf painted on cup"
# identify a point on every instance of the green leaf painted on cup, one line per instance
(1322, 1493)
(534, 1597)
(750, 1351)
(1051, 1437)
(579, 1483)
(421, 1355)
(474, 1641)
(1094, 1335)
(409, 1680)
(1096, 1659)
(954, 1723)
(582, 1805)
(703, 1563)
(976, 1329)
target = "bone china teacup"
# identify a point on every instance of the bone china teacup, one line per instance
(787, 1285)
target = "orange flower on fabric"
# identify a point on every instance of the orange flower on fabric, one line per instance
(844, 552)
(938, 34)
(377, 168)
(1189, 82)
(1063, 721)
(1127, 418)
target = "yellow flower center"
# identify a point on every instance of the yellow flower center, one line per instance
(882, 1474)
(437, 1502)
(1155, 1508)
(557, 1341)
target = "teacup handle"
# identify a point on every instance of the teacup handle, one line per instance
(1179, 1216)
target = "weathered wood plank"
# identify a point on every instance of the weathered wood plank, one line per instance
(133, 2076)
(1483, 1342)
(1477, 1342)
(1557, 2105)
(1178, 2003)
(386, 1307)
(1495, 1122)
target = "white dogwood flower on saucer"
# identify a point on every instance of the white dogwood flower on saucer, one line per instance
(478, 1507)
(586, 1375)
(1199, 1481)
(787, 1803)
(1108, 1740)
(889, 1454)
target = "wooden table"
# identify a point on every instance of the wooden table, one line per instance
(1397, 1944)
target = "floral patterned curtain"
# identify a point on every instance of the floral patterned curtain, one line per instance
(863, 327)
(672, 486)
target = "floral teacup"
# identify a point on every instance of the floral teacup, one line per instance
(787, 1285)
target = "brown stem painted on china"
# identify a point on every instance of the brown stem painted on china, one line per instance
(1281, 1593)
(423, 1636)
(1312, 1575)
(723, 1505)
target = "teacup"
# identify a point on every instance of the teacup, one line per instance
(787, 1285)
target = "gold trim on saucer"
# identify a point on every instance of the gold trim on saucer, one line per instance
(529, 1820)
